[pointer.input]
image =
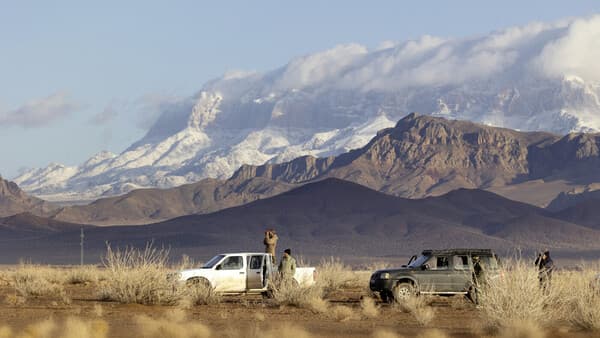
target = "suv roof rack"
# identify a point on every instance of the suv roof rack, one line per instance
(458, 251)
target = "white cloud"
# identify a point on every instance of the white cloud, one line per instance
(109, 113)
(39, 112)
(317, 68)
(575, 53)
(151, 106)
(566, 47)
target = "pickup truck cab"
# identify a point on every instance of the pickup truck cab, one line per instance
(244, 272)
(445, 272)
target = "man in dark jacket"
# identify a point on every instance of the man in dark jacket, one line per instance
(545, 266)
(287, 266)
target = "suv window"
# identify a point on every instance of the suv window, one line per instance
(439, 263)
(461, 262)
(232, 263)
(489, 262)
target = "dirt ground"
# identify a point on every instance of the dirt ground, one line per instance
(455, 316)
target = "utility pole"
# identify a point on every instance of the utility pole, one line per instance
(81, 244)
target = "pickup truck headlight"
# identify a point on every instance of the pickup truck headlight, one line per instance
(384, 275)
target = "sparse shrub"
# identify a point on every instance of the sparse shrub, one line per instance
(417, 306)
(369, 309)
(82, 275)
(381, 333)
(433, 333)
(581, 299)
(37, 281)
(77, 328)
(290, 294)
(199, 294)
(516, 296)
(341, 313)
(333, 275)
(174, 325)
(522, 329)
(5, 332)
(139, 276)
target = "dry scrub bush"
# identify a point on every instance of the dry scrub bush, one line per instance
(199, 294)
(71, 328)
(264, 331)
(417, 306)
(174, 325)
(286, 293)
(522, 329)
(333, 275)
(139, 276)
(83, 275)
(369, 309)
(516, 296)
(427, 334)
(38, 281)
(581, 298)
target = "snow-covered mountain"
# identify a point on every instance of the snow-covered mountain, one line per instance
(534, 77)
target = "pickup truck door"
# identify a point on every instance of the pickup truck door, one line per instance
(230, 274)
(256, 271)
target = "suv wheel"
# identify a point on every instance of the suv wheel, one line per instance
(403, 291)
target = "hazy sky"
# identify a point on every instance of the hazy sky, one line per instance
(77, 78)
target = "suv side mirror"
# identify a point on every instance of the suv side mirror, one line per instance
(425, 266)
(218, 267)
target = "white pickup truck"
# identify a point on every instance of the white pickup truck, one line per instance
(244, 272)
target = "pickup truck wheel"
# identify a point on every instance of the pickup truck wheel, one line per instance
(403, 291)
(198, 281)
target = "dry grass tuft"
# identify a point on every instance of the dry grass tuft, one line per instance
(139, 276)
(582, 299)
(516, 296)
(43, 329)
(98, 310)
(333, 275)
(385, 334)
(199, 294)
(433, 333)
(369, 309)
(174, 325)
(522, 329)
(32, 281)
(77, 328)
(83, 275)
(417, 306)
(6, 332)
(341, 313)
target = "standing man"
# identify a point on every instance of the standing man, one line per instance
(270, 242)
(479, 281)
(545, 266)
(287, 266)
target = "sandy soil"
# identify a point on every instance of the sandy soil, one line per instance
(455, 316)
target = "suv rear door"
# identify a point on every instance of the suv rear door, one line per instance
(463, 273)
(438, 275)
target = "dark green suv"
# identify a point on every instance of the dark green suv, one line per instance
(445, 272)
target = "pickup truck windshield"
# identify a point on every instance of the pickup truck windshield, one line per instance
(213, 261)
(419, 261)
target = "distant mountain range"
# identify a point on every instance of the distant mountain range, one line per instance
(421, 156)
(330, 102)
(331, 217)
